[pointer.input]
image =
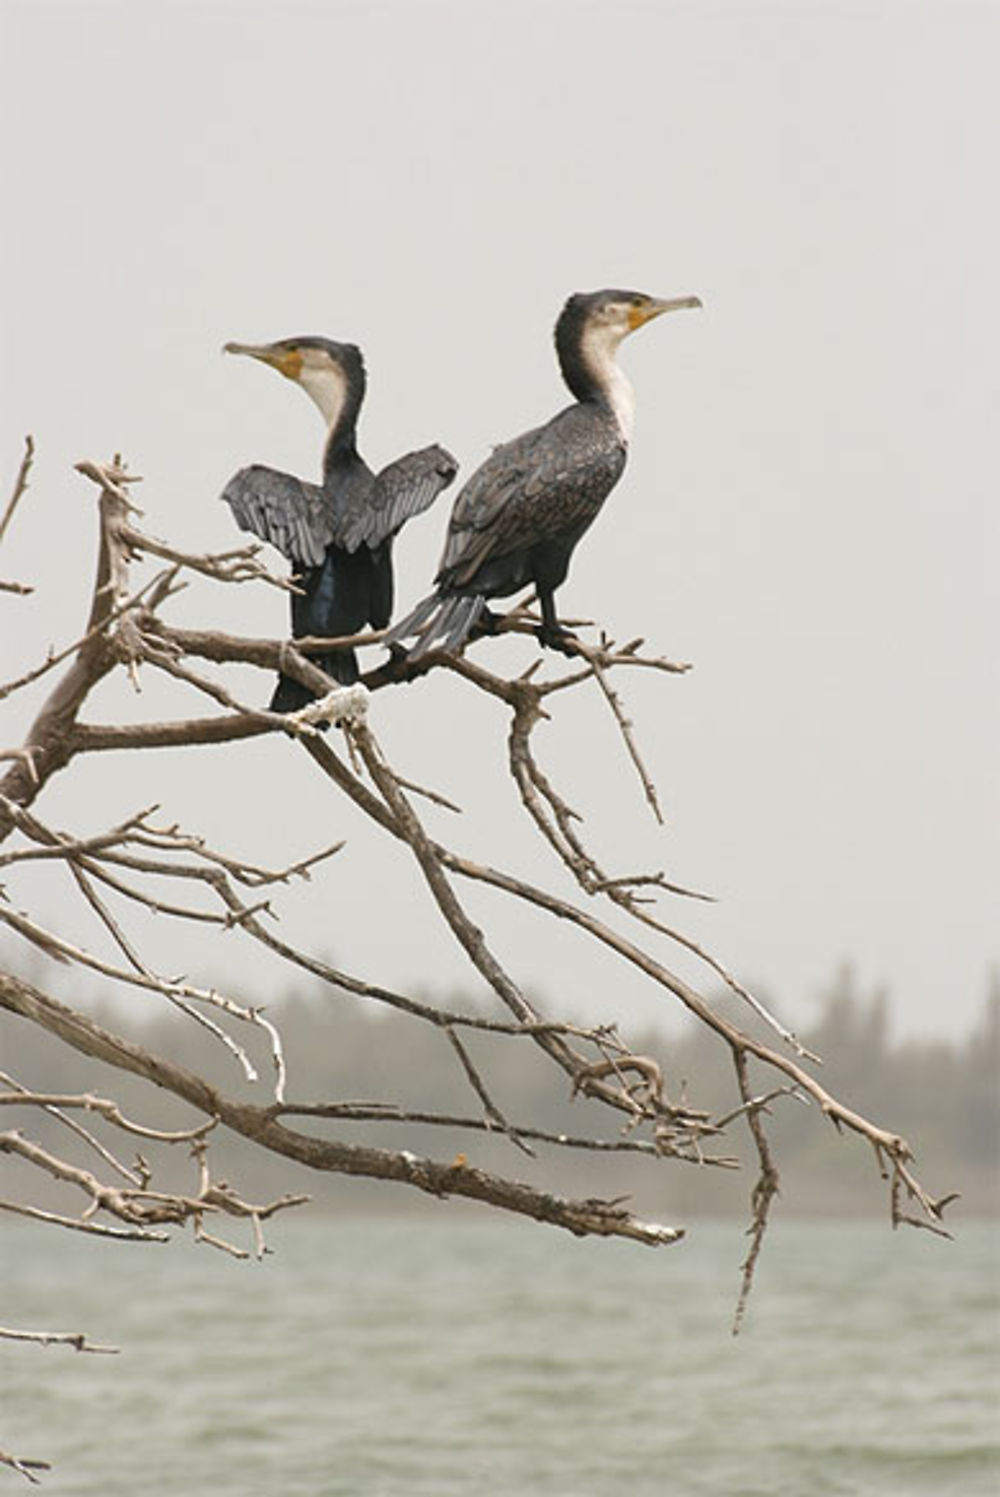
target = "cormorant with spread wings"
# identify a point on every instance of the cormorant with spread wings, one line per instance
(337, 535)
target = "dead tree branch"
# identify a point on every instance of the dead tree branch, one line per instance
(136, 867)
(603, 1218)
(20, 486)
(24, 1467)
(76, 1339)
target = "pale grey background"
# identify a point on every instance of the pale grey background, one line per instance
(808, 514)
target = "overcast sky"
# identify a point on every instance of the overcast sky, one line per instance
(809, 510)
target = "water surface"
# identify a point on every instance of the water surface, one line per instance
(434, 1356)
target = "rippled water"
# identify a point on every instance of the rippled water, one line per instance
(432, 1356)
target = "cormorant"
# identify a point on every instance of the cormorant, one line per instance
(338, 536)
(518, 518)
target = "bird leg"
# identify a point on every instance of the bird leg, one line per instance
(487, 622)
(550, 631)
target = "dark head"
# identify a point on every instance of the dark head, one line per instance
(332, 374)
(593, 323)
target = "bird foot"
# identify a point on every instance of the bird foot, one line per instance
(488, 621)
(556, 638)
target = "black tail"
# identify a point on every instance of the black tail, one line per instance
(291, 696)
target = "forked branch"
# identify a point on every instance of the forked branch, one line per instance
(141, 865)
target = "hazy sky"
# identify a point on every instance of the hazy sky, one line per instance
(809, 510)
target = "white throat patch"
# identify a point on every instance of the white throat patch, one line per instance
(600, 344)
(326, 386)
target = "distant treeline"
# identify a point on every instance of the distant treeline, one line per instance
(942, 1096)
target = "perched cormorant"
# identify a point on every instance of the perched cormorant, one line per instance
(518, 518)
(338, 536)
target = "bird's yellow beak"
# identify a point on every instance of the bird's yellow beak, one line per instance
(655, 307)
(287, 361)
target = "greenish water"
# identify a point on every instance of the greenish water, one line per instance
(452, 1354)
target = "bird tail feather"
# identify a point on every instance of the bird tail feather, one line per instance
(291, 696)
(413, 622)
(440, 623)
(455, 622)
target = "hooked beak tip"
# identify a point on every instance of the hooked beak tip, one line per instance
(678, 303)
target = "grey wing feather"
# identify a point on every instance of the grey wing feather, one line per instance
(403, 489)
(288, 513)
(539, 484)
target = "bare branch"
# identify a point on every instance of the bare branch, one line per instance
(625, 726)
(180, 994)
(164, 869)
(390, 1112)
(764, 1191)
(77, 1224)
(24, 1467)
(20, 485)
(494, 1116)
(238, 565)
(51, 1101)
(142, 594)
(76, 1339)
(602, 1218)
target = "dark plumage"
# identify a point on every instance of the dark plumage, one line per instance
(518, 518)
(337, 535)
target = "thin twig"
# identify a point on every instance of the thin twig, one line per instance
(765, 1187)
(20, 485)
(76, 1339)
(23, 1466)
(78, 1224)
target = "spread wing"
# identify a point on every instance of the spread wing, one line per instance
(405, 488)
(544, 484)
(288, 513)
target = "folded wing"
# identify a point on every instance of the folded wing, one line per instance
(548, 483)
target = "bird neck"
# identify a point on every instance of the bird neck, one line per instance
(341, 407)
(340, 453)
(337, 389)
(593, 374)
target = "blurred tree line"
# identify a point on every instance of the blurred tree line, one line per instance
(943, 1095)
